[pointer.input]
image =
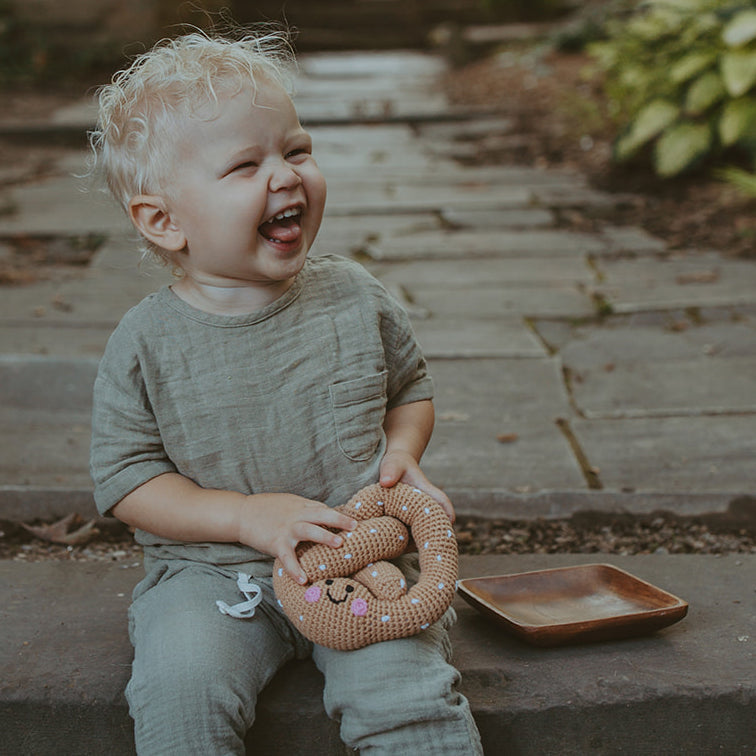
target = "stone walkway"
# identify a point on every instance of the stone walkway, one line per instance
(544, 406)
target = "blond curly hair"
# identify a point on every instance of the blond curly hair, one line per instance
(132, 145)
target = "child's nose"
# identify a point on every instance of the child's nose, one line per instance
(284, 177)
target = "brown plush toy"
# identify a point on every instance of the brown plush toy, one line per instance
(353, 598)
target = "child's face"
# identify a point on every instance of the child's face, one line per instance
(246, 193)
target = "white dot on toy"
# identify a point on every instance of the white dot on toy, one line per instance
(385, 618)
(347, 556)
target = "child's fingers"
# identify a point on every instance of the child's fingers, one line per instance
(292, 566)
(329, 518)
(391, 472)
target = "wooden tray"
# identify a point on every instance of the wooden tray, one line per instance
(588, 602)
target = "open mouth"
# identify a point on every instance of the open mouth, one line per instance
(283, 228)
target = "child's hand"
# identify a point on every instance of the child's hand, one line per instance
(402, 467)
(276, 523)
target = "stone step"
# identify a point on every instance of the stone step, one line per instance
(689, 688)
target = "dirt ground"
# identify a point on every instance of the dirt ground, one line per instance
(560, 119)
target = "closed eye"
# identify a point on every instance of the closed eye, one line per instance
(300, 152)
(247, 165)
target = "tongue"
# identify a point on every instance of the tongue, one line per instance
(286, 230)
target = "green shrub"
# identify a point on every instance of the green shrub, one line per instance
(681, 76)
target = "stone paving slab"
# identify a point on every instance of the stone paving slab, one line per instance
(369, 85)
(30, 337)
(45, 414)
(479, 400)
(45, 450)
(405, 104)
(480, 289)
(552, 300)
(713, 453)
(501, 219)
(475, 274)
(708, 385)
(386, 66)
(349, 233)
(691, 281)
(357, 196)
(672, 367)
(691, 685)
(470, 243)
(96, 297)
(61, 206)
(451, 338)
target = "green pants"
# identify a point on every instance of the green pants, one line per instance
(197, 673)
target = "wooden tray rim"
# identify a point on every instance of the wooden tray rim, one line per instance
(674, 610)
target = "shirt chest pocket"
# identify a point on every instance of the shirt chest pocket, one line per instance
(359, 407)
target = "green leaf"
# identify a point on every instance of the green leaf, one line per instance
(738, 71)
(686, 6)
(745, 182)
(649, 123)
(741, 29)
(704, 92)
(738, 120)
(680, 146)
(690, 65)
(649, 27)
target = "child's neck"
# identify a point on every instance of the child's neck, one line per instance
(228, 300)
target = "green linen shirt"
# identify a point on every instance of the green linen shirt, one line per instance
(290, 398)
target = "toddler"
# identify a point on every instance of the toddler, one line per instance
(235, 408)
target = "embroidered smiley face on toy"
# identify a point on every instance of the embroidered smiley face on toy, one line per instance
(354, 597)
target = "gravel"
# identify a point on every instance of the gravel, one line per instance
(588, 533)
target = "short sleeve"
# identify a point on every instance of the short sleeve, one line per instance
(408, 376)
(126, 449)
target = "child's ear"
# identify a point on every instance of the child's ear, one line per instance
(150, 215)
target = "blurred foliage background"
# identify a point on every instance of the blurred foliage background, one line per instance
(678, 76)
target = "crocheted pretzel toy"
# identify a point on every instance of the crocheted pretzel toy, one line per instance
(354, 598)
